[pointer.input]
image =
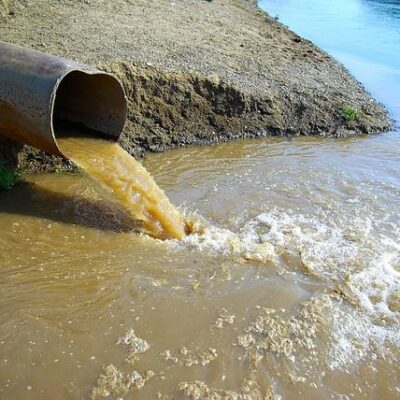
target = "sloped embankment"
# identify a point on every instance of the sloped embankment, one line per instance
(175, 109)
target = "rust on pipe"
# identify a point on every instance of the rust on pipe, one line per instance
(39, 92)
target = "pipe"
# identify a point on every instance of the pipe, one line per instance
(38, 92)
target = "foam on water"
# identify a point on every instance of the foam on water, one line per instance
(245, 244)
(358, 263)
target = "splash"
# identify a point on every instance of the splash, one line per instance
(360, 263)
(357, 261)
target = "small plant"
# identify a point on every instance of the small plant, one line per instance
(8, 176)
(350, 114)
(260, 11)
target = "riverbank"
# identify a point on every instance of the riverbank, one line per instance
(196, 72)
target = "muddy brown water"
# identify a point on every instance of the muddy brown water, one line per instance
(129, 182)
(290, 289)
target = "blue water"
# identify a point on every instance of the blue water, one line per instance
(364, 35)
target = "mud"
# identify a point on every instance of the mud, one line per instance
(195, 72)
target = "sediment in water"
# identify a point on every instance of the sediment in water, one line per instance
(131, 184)
(230, 72)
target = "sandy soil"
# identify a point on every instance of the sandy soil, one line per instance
(196, 71)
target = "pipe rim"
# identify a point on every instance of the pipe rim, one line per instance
(89, 73)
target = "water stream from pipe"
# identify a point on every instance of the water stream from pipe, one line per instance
(116, 170)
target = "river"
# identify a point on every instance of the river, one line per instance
(290, 289)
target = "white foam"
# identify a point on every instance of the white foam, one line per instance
(213, 240)
(349, 253)
(346, 251)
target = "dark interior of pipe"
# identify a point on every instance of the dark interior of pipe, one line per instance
(92, 103)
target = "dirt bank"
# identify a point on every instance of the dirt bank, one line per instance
(196, 71)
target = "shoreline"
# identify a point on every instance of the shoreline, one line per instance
(195, 72)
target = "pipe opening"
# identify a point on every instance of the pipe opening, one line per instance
(90, 104)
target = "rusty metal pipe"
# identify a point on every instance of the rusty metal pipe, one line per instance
(38, 90)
